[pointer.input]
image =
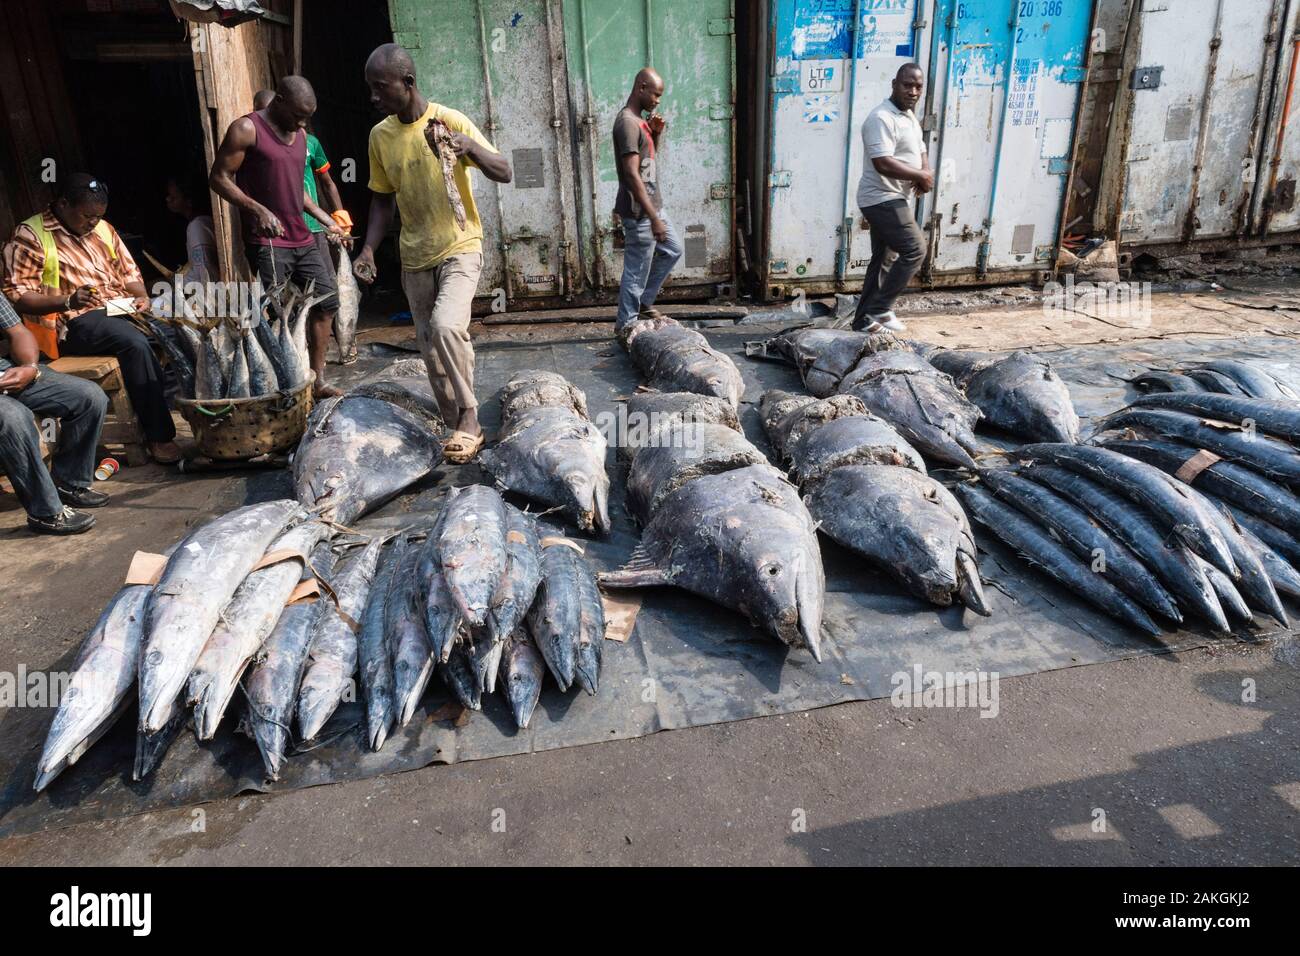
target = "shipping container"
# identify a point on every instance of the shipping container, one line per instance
(1003, 81)
(1202, 98)
(544, 80)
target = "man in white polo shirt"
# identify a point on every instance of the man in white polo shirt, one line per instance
(897, 167)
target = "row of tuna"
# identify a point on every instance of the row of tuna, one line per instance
(481, 593)
(1183, 504)
(933, 397)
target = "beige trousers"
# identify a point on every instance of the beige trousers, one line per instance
(440, 300)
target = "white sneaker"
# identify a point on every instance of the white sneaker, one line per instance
(890, 321)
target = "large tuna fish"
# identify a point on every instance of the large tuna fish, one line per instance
(1252, 381)
(364, 448)
(567, 621)
(345, 320)
(921, 402)
(649, 413)
(522, 670)
(677, 359)
(1019, 393)
(272, 684)
(332, 659)
(905, 523)
(1086, 538)
(819, 435)
(198, 582)
(1171, 560)
(551, 453)
(787, 417)
(471, 542)
(1276, 459)
(103, 675)
(1157, 382)
(1272, 417)
(1171, 505)
(683, 453)
(1212, 475)
(245, 623)
(744, 540)
(1045, 552)
(414, 656)
(373, 651)
(822, 356)
(523, 575)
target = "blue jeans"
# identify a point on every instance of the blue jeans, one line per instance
(80, 407)
(646, 264)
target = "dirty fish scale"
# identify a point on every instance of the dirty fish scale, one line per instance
(683, 453)
(198, 581)
(1019, 393)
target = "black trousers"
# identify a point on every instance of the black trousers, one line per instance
(892, 227)
(98, 333)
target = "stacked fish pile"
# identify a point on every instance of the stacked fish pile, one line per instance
(869, 492)
(674, 358)
(549, 450)
(892, 381)
(1136, 538)
(481, 591)
(719, 521)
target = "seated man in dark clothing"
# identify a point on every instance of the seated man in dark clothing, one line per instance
(25, 388)
(65, 265)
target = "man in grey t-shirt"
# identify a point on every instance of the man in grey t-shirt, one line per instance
(651, 247)
(896, 166)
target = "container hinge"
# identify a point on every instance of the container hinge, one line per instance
(720, 190)
(407, 38)
(722, 27)
(721, 111)
(1145, 78)
(1058, 166)
(1073, 74)
(779, 178)
(930, 122)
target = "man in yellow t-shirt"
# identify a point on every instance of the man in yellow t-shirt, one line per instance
(441, 255)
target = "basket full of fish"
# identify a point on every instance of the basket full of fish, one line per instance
(246, 385)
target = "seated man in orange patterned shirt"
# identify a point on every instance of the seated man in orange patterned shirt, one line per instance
(69, 262)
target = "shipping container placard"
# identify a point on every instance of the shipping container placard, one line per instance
(819, 29)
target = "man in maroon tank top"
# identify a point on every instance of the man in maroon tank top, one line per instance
(258, 170)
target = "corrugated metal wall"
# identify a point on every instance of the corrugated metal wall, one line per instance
(544, 79)
(1003, 80)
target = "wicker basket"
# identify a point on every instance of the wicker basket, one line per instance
(237, 429)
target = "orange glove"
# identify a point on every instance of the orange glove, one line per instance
(343, 218)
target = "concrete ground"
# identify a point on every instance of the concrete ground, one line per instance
(1188, 759)
(1183, 771)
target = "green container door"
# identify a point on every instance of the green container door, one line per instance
(501, 62)
(690, 42)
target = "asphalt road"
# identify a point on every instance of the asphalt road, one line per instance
(1162, 750)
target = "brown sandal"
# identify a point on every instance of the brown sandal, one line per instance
(462, 447)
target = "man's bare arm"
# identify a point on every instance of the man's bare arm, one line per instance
(230, 157)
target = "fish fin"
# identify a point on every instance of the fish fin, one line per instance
(640, 571)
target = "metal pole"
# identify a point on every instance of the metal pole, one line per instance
(504, 240)
(590, 122)
(649, 35)
(566, 283)
(846, 218)
(982, 257)
(1207, 98)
